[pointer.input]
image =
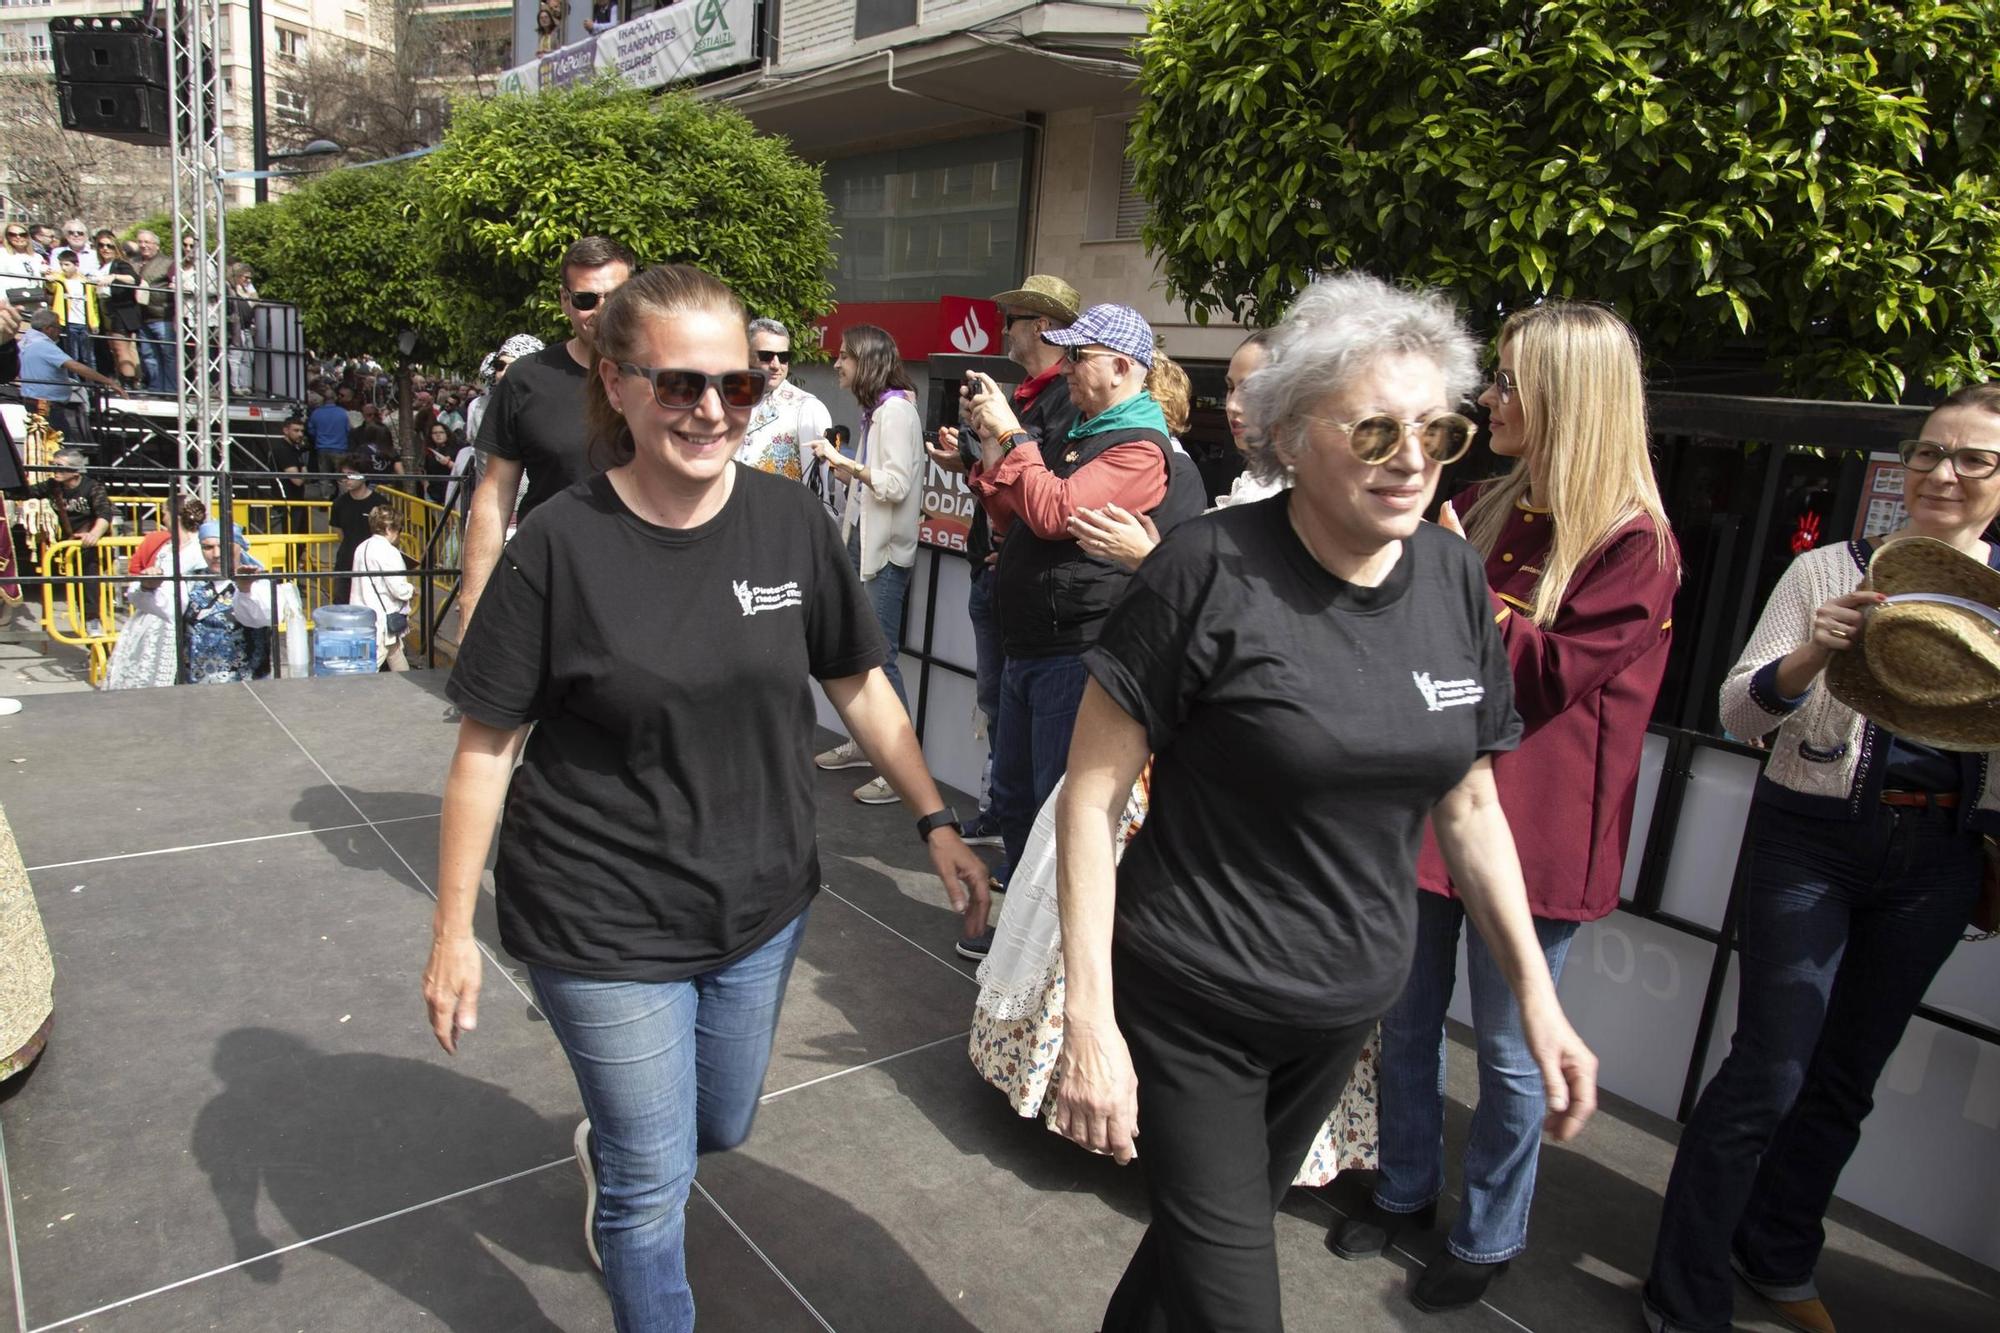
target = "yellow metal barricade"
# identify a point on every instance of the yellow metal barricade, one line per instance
(420, 517)
(68, 608)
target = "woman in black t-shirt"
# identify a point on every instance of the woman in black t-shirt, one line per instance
(1314, 675)
(657, 623)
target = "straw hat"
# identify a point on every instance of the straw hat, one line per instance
(1045, 296)
(1927, 667)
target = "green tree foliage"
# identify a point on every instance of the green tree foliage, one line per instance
(1817, 178)
(675, 179)
(462, 245)
(345, 250)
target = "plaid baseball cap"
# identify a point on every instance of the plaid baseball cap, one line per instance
(1119, 327)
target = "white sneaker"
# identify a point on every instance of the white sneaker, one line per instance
(876, 792)
(582, 1145)
(845, 755)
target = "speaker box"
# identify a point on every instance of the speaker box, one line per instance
(128, 112)
(118, 50)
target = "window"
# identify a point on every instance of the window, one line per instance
(872, 17)
(920, 222)
(291, 44)
(1116, 210)
(289, 104)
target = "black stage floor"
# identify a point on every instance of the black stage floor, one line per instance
(242, 1121)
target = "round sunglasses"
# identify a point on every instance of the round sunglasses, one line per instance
(739, 390)
(1376, 439)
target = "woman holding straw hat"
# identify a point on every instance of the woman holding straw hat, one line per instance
(1865, 867)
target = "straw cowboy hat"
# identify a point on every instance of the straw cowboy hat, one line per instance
(1045, 295)
(1927, 667)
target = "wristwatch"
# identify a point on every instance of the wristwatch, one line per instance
(931, 823)
(1013, 439)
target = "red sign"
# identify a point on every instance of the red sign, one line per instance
(922, 329)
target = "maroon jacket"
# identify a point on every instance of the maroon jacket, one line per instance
(1585, 689)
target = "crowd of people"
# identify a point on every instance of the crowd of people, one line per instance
(115, 302)
(1255, 764)
(1253, 771)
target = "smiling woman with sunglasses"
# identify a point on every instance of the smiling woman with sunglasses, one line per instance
(1582, 572)
(657, 625)
(1314, 675)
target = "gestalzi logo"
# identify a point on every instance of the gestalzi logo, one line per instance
(711, 27)
(1442, 694)
(969, 337)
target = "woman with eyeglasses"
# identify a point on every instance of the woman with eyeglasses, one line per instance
(885, 503)
(118, 279)
(787, 419)
(655, 626)
(1314, 675)
(1581, 570)
(1865, 868)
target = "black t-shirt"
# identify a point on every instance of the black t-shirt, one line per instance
(661, 822)
(536, 420)
(1303, 728)
(284, 456)
(349, 518)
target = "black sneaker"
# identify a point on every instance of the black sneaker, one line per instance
(983, 831)
(976, 946)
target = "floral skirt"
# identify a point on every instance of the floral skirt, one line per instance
(1018, 1056)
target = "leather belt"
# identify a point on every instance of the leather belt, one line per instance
(1937, 800)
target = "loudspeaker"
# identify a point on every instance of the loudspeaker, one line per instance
(128, 112)
(116, 50)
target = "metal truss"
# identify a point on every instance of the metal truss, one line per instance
(195, 101)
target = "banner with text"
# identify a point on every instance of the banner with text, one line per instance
(678, 42)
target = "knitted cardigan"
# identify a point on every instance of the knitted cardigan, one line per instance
(1826, 760)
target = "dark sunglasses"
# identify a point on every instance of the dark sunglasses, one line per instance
(583, 300)
(1012, 320)
(681, 389)
(782, 358)
(1076, 356)
(1377, 439)
(1971, 464)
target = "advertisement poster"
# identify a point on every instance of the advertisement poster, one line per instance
(948, 509)
(1881, 510)
(678, 42)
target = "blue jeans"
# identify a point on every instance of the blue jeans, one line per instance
(1506, 1135)
(1840, 931)
(1038, 701)
(157, 355)
(76, 342)
(667, 1070)
(888, 592)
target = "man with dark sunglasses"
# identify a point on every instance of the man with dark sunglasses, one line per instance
(786, 419)
(534, 427)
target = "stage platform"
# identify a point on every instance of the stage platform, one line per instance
(243, 1123)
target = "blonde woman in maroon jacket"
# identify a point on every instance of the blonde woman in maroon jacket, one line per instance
(1582, 572)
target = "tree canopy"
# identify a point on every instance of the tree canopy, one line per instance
(1814, 180)
(462, 245)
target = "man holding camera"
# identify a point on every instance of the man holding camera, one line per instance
(1043, 412)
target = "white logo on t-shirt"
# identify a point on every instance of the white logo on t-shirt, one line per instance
(753, 600)
(1442, 694)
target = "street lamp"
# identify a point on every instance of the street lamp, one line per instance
(317, 148)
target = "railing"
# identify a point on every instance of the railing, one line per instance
(79, 587)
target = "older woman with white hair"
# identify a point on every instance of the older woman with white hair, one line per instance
(1314, 675)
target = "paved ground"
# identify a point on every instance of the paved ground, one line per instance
(243, 1123)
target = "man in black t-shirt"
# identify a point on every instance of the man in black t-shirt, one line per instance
(535, 424)
(288, 456)
(349, 514)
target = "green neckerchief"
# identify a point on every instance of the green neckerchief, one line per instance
(1139, 412)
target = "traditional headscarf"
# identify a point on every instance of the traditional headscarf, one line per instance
(213, 528)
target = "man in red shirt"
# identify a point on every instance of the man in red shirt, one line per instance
(1051, 596)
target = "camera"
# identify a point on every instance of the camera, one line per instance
(25, 298)
(971, 388)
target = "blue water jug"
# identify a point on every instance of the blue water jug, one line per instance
(343, 641)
